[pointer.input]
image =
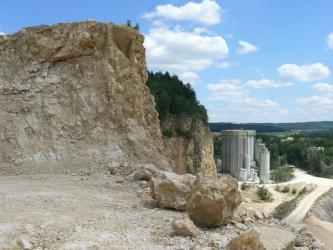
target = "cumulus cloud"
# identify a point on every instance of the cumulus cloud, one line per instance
(266, 83)
(226, 65)
(321, 102)
(303, 73)
(182, 51)
(324, 88)
(206, 12)
(2, 33)
(189, 77)
(246, 48)
(330, 41)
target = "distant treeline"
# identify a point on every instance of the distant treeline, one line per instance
(309, 150)
(173, 97)
(271, 127)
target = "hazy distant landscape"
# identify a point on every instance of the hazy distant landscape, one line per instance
(271, 127)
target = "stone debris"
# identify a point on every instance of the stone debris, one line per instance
(185, 227)
(263, 238)
(213, 200)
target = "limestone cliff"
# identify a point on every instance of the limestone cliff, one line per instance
(190, 148)
(75, 94)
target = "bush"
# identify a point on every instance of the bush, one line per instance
(303, 191)
(264, 194)
(184, 133)
(294, 191)
(286, 189)
(283, 174)
(244, 186)
(167, 132)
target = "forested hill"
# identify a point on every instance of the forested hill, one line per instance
(271, 127)
(174, 97)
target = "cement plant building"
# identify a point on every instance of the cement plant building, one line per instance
(243, 157)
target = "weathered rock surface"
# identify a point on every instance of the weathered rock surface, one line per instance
(263, 238)
(194, 153)
(171, 190)
(213, 200)
(185, 227)
(75, 94)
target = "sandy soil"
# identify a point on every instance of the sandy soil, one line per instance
(95, 212)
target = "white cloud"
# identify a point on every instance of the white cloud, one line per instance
(182, 51)
(330, 41)
(189, 77)
(303, 73)
(322, 102)
(226, 65)
(324, 88)
(206, 12)
(2, 33)
(246, 48)
(266, 83)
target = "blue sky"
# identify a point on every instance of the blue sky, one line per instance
(249, 61)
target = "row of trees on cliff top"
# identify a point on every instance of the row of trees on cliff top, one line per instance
(174, 97)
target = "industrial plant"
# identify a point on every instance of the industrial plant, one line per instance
(244, 157)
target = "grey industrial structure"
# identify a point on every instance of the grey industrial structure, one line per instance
(243, 156)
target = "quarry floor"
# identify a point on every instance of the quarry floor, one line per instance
(88, 212)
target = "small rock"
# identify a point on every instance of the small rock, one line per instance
(143, 184)
(24, 244)
(241, 226)
(145, 172)
(120, 181)
(258, 214)
(185, 227)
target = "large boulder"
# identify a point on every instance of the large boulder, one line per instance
(263, 238)
(171, 190)
(213, 200)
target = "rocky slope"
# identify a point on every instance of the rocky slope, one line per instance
(191, 148)
(75, 94)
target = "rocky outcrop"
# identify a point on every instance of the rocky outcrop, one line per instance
(74, 94)
(213, 200)
(263, 238)
(190, 149)
(171, 190)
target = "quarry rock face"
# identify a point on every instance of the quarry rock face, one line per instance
(171, 190)
(193, 153)
(213, 200)
(75, 94)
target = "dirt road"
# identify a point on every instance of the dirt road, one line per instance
(323, 233)
(323, 185)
